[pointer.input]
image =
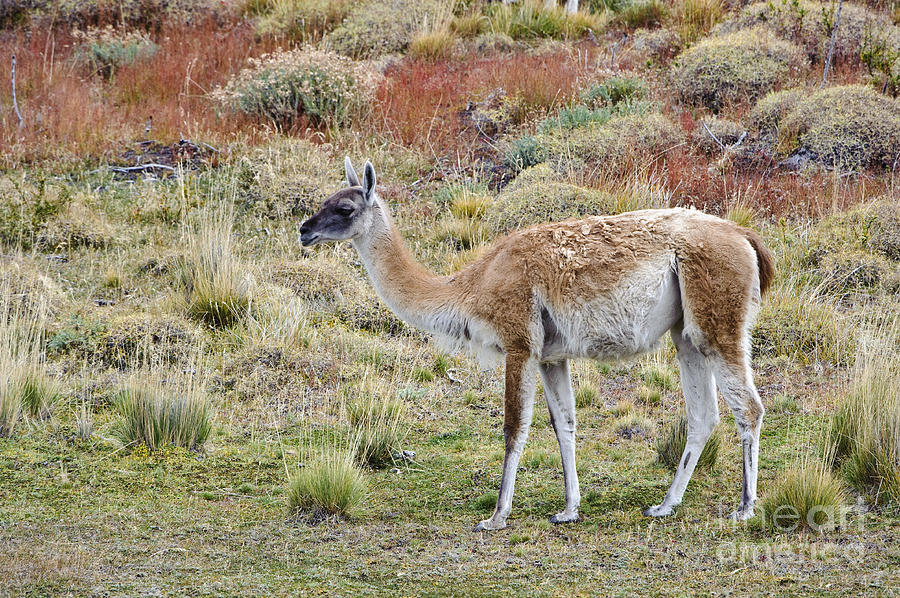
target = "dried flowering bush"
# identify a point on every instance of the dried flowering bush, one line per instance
(327, 88)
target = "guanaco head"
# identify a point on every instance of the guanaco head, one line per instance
(345, 215)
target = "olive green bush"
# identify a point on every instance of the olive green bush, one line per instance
(327, 88)
(847, 127)
(539, 195)
(726, 131)
(766, 116)
(808, 24)
(375, 27)
(740, 66)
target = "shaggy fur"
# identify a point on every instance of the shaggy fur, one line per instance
(600, 287)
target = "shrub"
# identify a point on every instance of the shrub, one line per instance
(329, 484)
(659, 45)
(374, 28)
(726, 131)
(305, 21)
(740, 66)
(537, 195)
(671, 442)
(615, 91)
(611, 146)
(125, 340)
(864, 436)
(325, 87)
(846, 127)
(106, 50)
(766, 116)
(524, 152)
(158, 415)
(808, 24)
(804, 497)
(642, 13)
(217, 287)
(794, 323)
(378, 428)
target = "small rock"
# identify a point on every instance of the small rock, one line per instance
(404, 456)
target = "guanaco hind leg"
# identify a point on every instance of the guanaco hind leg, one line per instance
(561, 403)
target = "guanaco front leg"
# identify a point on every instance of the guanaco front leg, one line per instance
(521, 371)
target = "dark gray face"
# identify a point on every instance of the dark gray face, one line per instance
(336, 220)
(346, 214)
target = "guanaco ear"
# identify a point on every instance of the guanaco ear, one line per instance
(369, 183)
(352, 179)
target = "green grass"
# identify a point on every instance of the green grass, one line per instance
(807, 497)
(156, 416)
(672, 439)
(378, 425)
(330, 484)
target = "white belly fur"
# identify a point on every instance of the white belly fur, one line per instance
(623, 323)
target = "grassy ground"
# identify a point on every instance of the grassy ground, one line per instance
(112, 263)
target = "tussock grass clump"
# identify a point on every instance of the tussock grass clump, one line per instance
(531, 19)
(325, 87)
(330, 483)
(671, 442)
(798, 324)
(107, 49)
(737, 67)
(433, 45)
(537, 195)
(864, 436)
(659, 376)
(851, 126)
(806, 497)
(218, 289)
(377, 424)
(642, 13)
(157, 414)
(648, 395)
(586, 396)
(634, 424)
(462, 234)
(374, 28)
(695, 18)
(26, 391)
(305, 21)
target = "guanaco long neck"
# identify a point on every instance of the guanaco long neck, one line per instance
(412, 292)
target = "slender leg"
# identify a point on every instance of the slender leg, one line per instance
(736, 383)
(702, 413)
(518, 408)
(561, 403)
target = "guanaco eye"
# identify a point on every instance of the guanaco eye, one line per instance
(345, 210)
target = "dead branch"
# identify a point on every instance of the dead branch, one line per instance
(15, 102)
(837, 22)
